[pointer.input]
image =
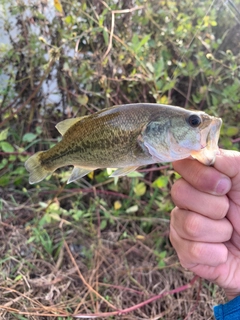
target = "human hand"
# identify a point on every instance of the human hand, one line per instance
(205, 224)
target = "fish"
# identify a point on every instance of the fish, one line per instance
(127, 137)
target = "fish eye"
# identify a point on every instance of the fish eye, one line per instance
(194, 121)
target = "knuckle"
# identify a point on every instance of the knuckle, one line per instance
(177, 190)
(173, 233)
(222, 207)
(192, 226)
(171, 236)
(176, 218)
(174, 213)
(197, 251)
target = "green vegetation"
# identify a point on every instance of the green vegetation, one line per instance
(95, 244)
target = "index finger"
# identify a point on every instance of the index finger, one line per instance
(203, 178)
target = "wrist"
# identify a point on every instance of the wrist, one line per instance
(232, 295)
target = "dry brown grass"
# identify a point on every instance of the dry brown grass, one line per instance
(94, 274)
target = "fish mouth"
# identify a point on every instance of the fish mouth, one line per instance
(209, 143)
(210, 135)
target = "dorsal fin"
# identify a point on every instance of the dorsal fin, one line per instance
(64, 125)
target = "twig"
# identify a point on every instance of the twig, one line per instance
(236, 140)
(196, 302)
(144, 68)
(113, 23)
(111, 37)
(139, 305)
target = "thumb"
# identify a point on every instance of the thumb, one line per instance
(228, 163)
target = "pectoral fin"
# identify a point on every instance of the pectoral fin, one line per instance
(123, 171)
(64, 125)
(78, 173)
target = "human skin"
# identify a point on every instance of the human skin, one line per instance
(205, 224)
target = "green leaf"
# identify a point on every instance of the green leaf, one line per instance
(136, 44)
(177, 176)
(78, 214)
(4, 180)
(69, 20)
(105, 36)
(82, 99)
(18, 277)
(103, 224)
(140, 189)
(144, 40)
(161, 264)
(31, 239)
(134, 174)
(53, 207)
(4, 134)
(6, 147)
(159, 68)
(232, 131)
(163, 254)
(3, 163)
(160, 182)
(29, 137)
(215, 100)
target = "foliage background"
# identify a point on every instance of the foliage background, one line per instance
(94, 55)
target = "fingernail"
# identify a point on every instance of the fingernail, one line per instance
(223, 186)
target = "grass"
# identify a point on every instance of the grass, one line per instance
(68, 269)
(94, 246)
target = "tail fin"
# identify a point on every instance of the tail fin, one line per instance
(37, 172)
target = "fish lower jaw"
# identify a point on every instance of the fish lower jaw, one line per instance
(204, 156)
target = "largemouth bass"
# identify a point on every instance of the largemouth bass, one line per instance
(126, 137)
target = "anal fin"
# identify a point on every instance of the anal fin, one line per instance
(78, 173)
(123, 171)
